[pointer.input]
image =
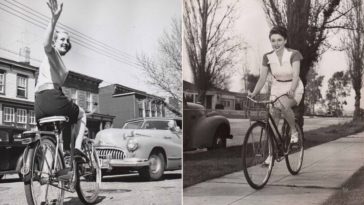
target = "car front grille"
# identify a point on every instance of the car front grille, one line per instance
(110, 153)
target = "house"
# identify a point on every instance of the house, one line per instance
(17, 83)
(84, 91)
(216, 98)
(128, 103)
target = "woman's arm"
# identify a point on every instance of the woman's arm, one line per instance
(262, 78)
(56, 12)
(295, 77)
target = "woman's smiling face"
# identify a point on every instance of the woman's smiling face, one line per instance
(277, 41)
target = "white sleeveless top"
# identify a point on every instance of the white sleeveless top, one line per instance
(52, 70)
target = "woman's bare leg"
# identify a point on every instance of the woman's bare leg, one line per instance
(79, 128)
(286, 108)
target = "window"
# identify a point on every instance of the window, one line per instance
(89, 101)
(32, 117)
(2, 82)
(9, 114)
(74, 95)
(21, 90)
(21, 116)
(140, 108)
(147, 108)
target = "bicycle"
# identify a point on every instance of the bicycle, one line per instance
(263, 139)
(45, 163)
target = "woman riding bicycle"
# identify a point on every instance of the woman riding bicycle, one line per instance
(284, 65)
(49, 98)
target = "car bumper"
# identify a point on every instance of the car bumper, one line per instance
(127, 162)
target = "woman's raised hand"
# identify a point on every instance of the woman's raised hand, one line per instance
(55, 9)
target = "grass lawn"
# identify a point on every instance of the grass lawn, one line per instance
(199, 167)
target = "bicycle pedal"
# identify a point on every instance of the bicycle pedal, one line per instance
(66, 176)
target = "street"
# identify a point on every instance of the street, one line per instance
(240, 126)
(115, 190)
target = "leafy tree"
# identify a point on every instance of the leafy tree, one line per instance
(313, 91)
(338, 89)
(211, 49)
(354, 40)
(165, 71)
(308, 23)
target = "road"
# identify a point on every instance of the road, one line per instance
(115, 190)
(240, 126)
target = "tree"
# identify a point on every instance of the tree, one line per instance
(211, 49)
(338, 89)
(250, 80)
(313, 91)
(355, 52)
(165, 72)
(308, 23)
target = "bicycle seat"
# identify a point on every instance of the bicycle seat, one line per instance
(53, 119)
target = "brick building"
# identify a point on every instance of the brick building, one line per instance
(128, 103)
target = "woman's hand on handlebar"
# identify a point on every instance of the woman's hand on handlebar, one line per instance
(251, 95)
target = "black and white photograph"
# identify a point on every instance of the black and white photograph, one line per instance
(90, 102)
(272, 102)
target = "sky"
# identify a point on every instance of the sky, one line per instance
(106, 35)
(253, 28)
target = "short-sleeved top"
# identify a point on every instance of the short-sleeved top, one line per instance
(52, 70)
(283, 68)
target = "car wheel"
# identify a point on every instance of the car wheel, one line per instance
(156, 169)
(219, 139)
(1, 176)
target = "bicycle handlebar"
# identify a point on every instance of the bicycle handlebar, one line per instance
(266, 101)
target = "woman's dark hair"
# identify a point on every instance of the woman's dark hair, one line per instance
(278, 30)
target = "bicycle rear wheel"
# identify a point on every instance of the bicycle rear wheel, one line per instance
(294, 157)
(41, 185)
(257, 147)
(88, 175)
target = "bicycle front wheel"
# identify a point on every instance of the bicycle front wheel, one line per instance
(294, 157)
(88, 175)
(41, 185)
(257, 155)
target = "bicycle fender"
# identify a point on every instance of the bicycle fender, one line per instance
(27, 158)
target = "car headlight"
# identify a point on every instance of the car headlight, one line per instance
(132, 144)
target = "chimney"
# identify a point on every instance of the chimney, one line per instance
(24, 55)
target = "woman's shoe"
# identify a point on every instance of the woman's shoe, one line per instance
(294, 138)
(267, 161)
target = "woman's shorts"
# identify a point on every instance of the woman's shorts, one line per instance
(54, 102)
(280, 88)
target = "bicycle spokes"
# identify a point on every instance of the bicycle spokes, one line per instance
(257, 155)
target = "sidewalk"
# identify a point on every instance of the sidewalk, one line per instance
(325, 168)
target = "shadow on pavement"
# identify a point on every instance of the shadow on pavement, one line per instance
(4, 181)
(136, 178)
(76, 200)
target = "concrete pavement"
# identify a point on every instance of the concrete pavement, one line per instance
(325, 168)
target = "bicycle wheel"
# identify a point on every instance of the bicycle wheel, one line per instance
(257, 147)
(88, 175)
(294, 157)
(41, 185)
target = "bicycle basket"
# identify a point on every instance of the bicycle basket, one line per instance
(257, 111)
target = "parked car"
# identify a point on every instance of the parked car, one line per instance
(204, 129)
(11, 150)
(147, 145)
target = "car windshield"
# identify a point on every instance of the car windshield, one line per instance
(156, 125)
(133, 125)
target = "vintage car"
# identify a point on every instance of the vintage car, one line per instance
(147, 145)
(204, 129)
(11, 150)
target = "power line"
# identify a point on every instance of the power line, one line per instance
(45, 18)
(78, 41)
(16, 53)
